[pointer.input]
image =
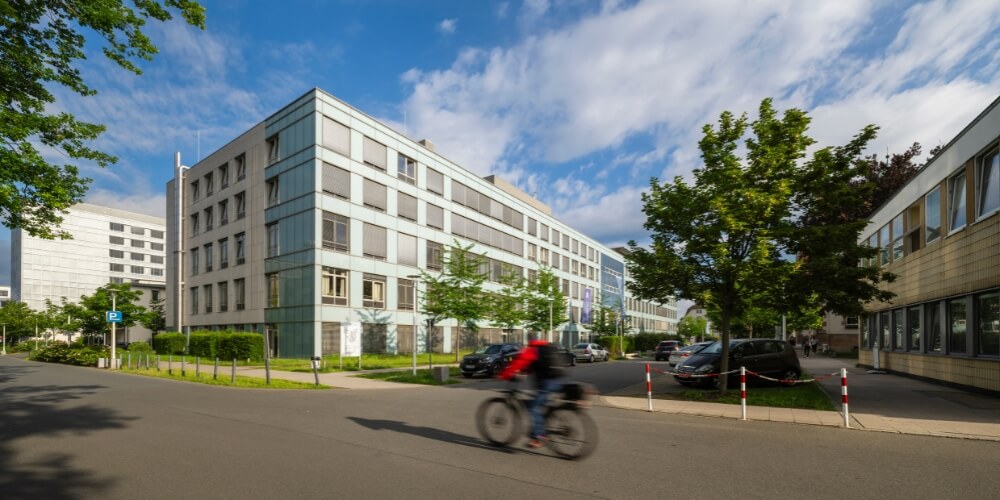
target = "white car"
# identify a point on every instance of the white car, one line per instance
(590, 352)
(683, 353)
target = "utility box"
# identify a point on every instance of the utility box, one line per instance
(440, 373)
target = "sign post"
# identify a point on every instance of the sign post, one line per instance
(114, 317)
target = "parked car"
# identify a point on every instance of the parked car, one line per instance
(488, 360)
(773, 358)
(567, 357)
(665, 347)
(678, 355)
(590, 352)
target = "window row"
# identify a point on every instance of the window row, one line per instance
(205, 220)
(118, 240)
(216, 298)
(120, 268)
(221, 174)
(141, 231)
(205, 256)
(141, 257)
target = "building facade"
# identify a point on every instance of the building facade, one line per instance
(108, 246)
(320, 216)
(4, 294)
(940, 234)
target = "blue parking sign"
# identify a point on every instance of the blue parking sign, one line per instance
(114, 316)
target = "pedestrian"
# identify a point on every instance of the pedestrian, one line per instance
(805, 347)
(814, 344)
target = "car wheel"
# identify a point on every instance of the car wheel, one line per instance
(790, 374)
(606, 357)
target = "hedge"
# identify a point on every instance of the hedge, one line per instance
(169, 343)
(208, 344)
(62, 353)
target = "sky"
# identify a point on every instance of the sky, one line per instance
(579, 103)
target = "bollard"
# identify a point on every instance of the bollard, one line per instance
(315, 364)
(170, 364)
(129, 366)
(743, 390)
(267, 369)
(649, 389)
(215, 372)
(843, 396)
(234, 372)
(157, 362)
(197, 367)
(183, 362)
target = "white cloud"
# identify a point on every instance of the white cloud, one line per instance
(149, 203)
(448, 26)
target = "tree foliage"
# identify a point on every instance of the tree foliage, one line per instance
(692, 327)
(91, 310)
(457, 292)
(733, 233)
(40, 42)
(545, 302)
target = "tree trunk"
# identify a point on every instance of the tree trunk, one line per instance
(724, 362)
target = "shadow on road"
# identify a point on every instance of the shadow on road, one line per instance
(426, 432)
(40, 411)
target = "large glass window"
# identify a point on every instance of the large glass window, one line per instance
(273, 290)
(209, 260)
(932, 215)
(885, 327)
(194, 261)
(987, 183)
(223, 253)
(241, 247)
(883, 237)
(956, 202)
(208, 298)
(194, 300)
(405, 294)
(435, 255)
(336, 232)
(897, 237)
(407, 169)
(240, 199)
(913, 328)
(956, 326)
(335, 286)
(223, 290)
(373, 291)
(934, 326)
(240, 293)
(988, 314)
(272, 240)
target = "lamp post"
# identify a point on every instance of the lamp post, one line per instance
(551, 299)
(3, 350)
(416, 292)
(114, 330)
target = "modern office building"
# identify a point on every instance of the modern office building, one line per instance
(940, 234)
(4, 294)
(319, 217)
(108, 246)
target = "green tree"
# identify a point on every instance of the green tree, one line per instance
(92, 309)
(545, 303)
(457, 292)
(19, 318)
(507, 307)
(40, 40)
(728, 237)
(692, 327)
(602, 318)
(155, 319)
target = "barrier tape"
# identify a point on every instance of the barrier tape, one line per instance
(693, 375)
(755, 374)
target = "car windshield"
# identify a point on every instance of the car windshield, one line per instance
(582, 346)
(488, 349)
(716, 348)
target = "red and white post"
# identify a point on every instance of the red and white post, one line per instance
(843, 396)
(649, 389)
(743, 390)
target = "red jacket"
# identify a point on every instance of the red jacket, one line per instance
(523, 360)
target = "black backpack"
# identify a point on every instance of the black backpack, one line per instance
(547, 365)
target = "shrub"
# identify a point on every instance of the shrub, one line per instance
(203, 343)
(62, 353)
(139, 347)
(169, 343)
(241, 345)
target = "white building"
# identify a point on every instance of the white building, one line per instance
(4, 294)
(317, 217)
(108, 246)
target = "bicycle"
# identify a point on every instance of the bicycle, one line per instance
(571, 432)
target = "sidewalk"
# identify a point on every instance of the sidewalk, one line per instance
(877, 402)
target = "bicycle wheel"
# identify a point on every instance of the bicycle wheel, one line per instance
(572, 433)
(498, 421)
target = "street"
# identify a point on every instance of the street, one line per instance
(70, 432)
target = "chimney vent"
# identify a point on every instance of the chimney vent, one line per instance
(426, 143)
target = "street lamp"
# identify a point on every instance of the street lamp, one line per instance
(416, 291)
(3, 350)
(551, 298)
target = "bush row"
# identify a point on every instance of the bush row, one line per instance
(59, 352)
(207, 344)
(639, 342)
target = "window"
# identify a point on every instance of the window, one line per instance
(404, 292)
(239, 293)
(241, 167)
(435, 181)
(406, 252)
(209, 216)
(115, 226)
(435, 255)
(932, 215)
(156, 259)
(897, 328)
(273, 192)
(156, 246)
(555, 237)
(406, 206)
(223, 212)
(194, 261)
(116, 240)
(195, 193)
(223, 288)
(375, 154)
(884, 322)
(154, 271)
(224, 176)
(194, 300)
(194, 224)
(118, 268)
(373, 291)
(897, 238)
(934, 326)
(532, 226)
(565, 242)
(987, 184)
(851, 322)
(223, 253)
(913, 328)
(336, 137)
(532, 251)
(374, 241)
(138, 244)
(336, 181)
(336, 232)
(208, 257)
(207, 290)
(240, 199)
(543, 232)
(117, 254)
(988, 320)
(240, 239)
(272, 240)
(156, 234)
(272, 290)
(543, 255)
(273, 149)
(335, 283)
(374, 195)
(407, 169)
(956, 326)
(435, 216)
(883, 236)
(137, 256)
(956, 202)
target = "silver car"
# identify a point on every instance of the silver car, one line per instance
(590, 352)
(683, 353)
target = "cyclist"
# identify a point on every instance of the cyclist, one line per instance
(541, 361)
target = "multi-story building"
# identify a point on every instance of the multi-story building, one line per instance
(321, 215)
(940, 234)
(4, 294)
(108, 246)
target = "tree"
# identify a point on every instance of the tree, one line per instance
(155, 319)
(457, 292)
(92, 309)
(752, 226)
(39, 42)
(603, 318)
(19, 318)
(886, 178)
(507, 307)
(692, 327)
(545, 303)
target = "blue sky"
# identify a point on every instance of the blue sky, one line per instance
(577, 102)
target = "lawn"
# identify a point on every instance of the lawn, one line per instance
(368, 362)
(422, 377)
(806, 395)
(225, 378)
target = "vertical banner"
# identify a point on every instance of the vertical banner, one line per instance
(350, 339)
(585, 317)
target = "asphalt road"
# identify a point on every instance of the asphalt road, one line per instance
(69, 432)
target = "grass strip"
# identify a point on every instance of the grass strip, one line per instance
(808, 396)
(424, 377)
(224, 379)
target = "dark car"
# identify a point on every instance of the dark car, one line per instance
(773, 358)
(488, 360)
(567, 357)
(664, 348)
